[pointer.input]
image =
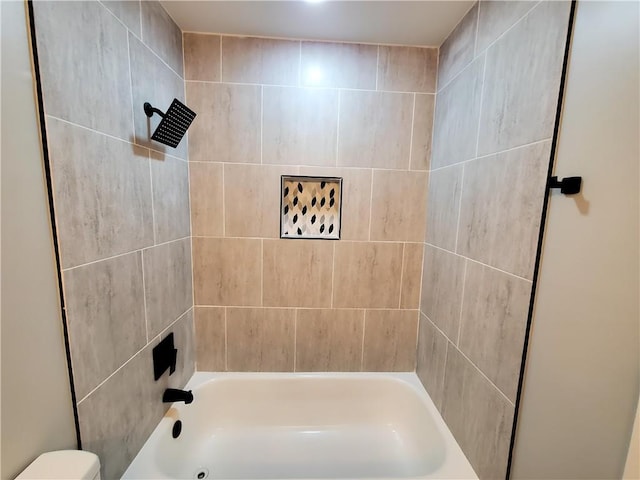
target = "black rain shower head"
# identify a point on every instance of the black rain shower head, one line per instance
(174, 123)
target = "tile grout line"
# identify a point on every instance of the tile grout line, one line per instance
(333, 273)
(308, 166)
(458, 220)
(413, 121)
(277, 238)
(153, 208)
(295, 339)
(262, 273)
(377, 65)
(401, 276)
(484, 75)
(299, 63)
(475, 38)
(261, 123)
(364, 326)
(122, 254)
(298, 307)
(464, 284)
(224, 220)
(338, 135)
(226, 341)
(221, 79)
(133, 117)
(144, 298)
(371, 205)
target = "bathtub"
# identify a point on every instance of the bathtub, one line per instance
(303, 426)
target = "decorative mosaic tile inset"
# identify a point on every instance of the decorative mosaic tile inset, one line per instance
(310, 207)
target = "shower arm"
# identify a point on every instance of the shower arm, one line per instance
(149, 110)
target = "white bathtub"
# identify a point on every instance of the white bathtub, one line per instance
(303, 426)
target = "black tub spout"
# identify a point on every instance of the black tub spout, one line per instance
(174, 395)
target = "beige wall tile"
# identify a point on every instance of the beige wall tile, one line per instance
(260, 339)
(479, 417)
(443, 206)
(338, 65)
(430, 360)
(501, 207)
(367, 275)
(84, 33)
(455, 131)
(160, 92)
(411, 276)
(201, 57)
(105, 315)
(210, 336)
(522, 80)
(399, 207)
(127, 11)
(356, 199)
(300, 126)
(442, 281)
(390, 340)
(227, 128)
(422, 132)
(458, 49)
(205, 183)
(227, 271)
(99, 182)
(494, 318)
(297, 273)
(375, 129)
(497, 17)
(260, 60)
(170, 185)
(329, 340)
(252, 199)
(167, 284)
(407, 69)
(161, 34)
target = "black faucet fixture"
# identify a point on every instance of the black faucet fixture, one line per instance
(174, 395)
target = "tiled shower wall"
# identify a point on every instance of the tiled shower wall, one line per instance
(122, 212)
(269, 107)
(498, 85)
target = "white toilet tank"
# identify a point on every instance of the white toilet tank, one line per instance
(63, 464)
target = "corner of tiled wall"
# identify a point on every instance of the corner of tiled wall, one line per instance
(498, 83)
(122, 212)
(270, 107)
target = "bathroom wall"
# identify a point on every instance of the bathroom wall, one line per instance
(498, 83)
(268, 107)
(122, 212)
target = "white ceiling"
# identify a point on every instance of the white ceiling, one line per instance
(398, 22)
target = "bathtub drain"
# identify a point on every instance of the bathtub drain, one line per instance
(201, 473)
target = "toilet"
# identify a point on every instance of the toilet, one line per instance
(63, 464)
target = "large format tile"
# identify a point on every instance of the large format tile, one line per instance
(82, 50)
(260, 60)
(127, 11)
(99, 182)
(170, 184)
(375, 129)
(300, 126)
(479, 417)
(496, 17)
(367, 275)
(407, 69)
(390, 340)
(494, 319)
(501, 207)
(443, 207)
(167, 284)
(458, 49)
(210, 337)
(153, 82)
(260, 339)
(227, 128)
(338, 65)
(411, 275)
(523, 79)
(422, 132)
(455, 131)
(117, 418)
(207, 204)
(162, 35)
(356, 199)
(202, 57)
(399, 204)
(297, 273)
(329, 340)
(227, 271)
(105, 313)
(442, 281)
(430, 361)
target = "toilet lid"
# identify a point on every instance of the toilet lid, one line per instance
(63, 464)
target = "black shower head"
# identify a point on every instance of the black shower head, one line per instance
(174, 123)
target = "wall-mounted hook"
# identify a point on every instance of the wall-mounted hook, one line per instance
(568, 185)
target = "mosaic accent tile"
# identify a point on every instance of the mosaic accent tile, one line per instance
(310, 207)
